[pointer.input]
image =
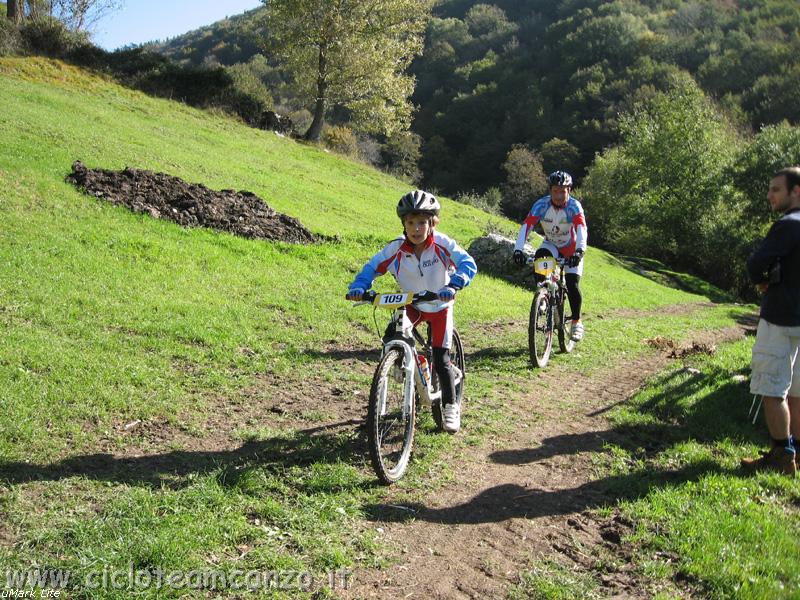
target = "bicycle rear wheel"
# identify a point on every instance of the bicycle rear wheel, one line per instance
(457, 360)
(540, 329)
(390, 419)
(565, 341)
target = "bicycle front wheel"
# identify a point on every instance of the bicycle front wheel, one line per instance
(390, 418)
(540, 329)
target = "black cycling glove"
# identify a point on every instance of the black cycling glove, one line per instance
(575, 259)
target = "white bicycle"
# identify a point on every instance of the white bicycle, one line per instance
(403, 379)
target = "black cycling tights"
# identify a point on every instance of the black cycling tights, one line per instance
(573, 287)
(574, 295)
(441, 362)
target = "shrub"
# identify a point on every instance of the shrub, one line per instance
(246, 82)
(401, 153)
(10, 39)
(560, 155)
(773, 148)
(369, 149)
(525, 181)
(49, 36)
(341, 140)
(489, 201)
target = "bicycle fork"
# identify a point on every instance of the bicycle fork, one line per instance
(411, 376)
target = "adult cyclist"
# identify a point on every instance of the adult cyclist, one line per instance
(565, 232)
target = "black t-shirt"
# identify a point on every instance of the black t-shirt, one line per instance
(777, 260)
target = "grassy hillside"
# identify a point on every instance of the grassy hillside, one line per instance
(111, 318)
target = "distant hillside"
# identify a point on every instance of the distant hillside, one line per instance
(227, 42)
(533, 71)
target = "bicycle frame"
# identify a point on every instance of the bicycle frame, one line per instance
(548, 305)
(404, 340)
(554, 275)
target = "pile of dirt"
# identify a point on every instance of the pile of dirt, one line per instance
(676, 350)
(190, 204)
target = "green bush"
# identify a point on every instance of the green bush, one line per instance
(773, 148)
(10, 39)
(525, 181)
(49, 36)
(489, 201)
(246, 82)
(663, 192)
(401, 153)
(341, 140)
(560, 155)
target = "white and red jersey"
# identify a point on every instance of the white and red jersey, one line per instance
(565, 227)
(442, 262)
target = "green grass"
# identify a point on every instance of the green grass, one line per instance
(110, 317)
(674, 470)
(550, 580)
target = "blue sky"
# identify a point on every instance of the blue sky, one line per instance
(142, 21)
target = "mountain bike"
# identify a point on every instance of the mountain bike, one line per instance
(547, 311)
(404, 379)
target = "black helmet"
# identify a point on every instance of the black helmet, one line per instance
(560, 178)
(418, 201)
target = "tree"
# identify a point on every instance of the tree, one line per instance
(663, 192)
(13, 11)
(525, 181)
(558, 154)
(80, 15)
(77, 15)
(351, 53)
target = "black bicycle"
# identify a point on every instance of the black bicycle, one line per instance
(547, 311)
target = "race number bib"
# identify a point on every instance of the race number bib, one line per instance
(393, 300)
(544, 266)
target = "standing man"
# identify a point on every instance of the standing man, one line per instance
(565, 234)
(775, 269)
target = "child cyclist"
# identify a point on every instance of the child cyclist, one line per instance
(565, 234)
(425, 260)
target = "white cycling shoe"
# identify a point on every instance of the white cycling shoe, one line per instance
(451, 417)
(576, 334)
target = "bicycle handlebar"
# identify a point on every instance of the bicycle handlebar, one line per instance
(559, 259)
(369, 296)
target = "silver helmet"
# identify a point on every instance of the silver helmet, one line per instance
(418, 201)
(560, 178)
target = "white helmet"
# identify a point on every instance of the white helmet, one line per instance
(418, 201)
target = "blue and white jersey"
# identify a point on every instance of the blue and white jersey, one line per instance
(442, 262)
(564, 227)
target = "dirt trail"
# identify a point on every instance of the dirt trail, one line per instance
(520, 497)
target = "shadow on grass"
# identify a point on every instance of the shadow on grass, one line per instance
(747, 320)
(678, 413)
(370, 356)
(329, 444)
(494, 352)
